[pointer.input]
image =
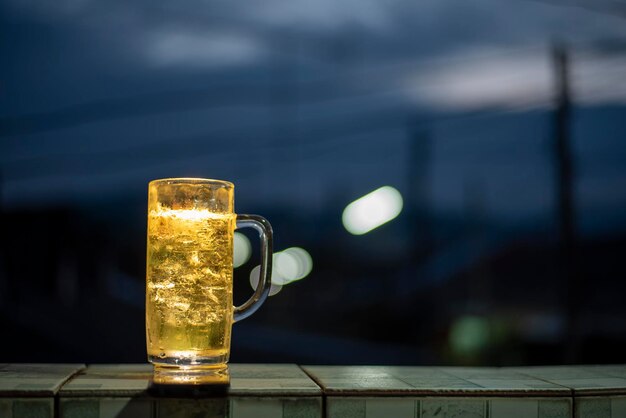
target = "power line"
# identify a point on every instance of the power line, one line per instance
(607, 7)
(219, 96)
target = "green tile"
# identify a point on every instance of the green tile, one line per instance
(256, 408)
(357, 379)
(125, 380)
(430, 381)
(34, 379)
(246, 379)
(617, 370)
(593, 407)
(105, 408)
(192, 408)
(391, 407)
(302, 407)
(271, 379)
(583, 380)
(120, 369)
(79, 408)
(125, 408)
(345, 407)
(600, 406)
(90, 386)
(6, 407)
(513, 408)
(441, 407)
(453, 407)
(618, 406)
(265, 371)
(33, 408)
(256, 390)
(555, 408)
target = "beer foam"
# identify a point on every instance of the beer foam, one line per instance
(189, 214)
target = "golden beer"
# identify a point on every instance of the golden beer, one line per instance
(189, 277)
(189, 300)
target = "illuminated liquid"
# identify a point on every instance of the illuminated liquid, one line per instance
(189, 306)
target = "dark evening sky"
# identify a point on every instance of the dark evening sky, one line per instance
(297, 102)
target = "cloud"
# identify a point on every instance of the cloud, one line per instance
(485, 78)
(598, 79)
(321, 15)
(185, 48)
(518, 79)
(499, 51)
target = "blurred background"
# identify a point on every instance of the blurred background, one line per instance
(488, 138)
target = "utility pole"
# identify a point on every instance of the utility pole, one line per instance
(5, 297)
(568, 260)
(284, 104)
(418, 193)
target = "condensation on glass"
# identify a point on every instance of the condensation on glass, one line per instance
(189, 277)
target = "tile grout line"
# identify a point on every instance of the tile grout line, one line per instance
(572, 392)
(56, 402)
(319, 384)
(55, 406)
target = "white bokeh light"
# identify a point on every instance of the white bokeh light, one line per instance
(241, 249)
(254, 281)
(303, 260)
(286, 268)
(291, 264)
(372, 210)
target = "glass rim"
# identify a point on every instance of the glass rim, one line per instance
(191, 180)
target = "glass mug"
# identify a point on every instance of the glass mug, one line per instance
(189, 277)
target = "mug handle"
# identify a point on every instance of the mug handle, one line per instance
(264, 229)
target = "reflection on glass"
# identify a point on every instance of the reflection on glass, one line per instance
(191, 376)
(189, 278)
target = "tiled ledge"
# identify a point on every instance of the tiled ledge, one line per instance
(287, 390)
(421, 392)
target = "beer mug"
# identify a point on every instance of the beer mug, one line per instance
(189, 277)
